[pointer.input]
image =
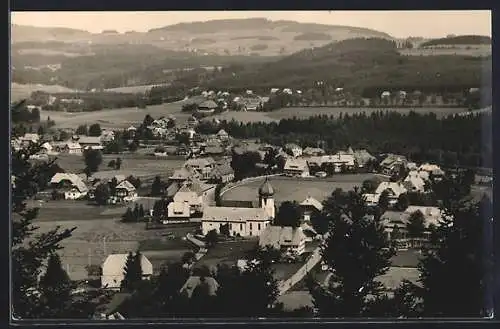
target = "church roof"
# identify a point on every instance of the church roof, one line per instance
(266, 189)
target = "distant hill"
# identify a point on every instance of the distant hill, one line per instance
(459, 40)
(313, 36)
(369, 65)
(22, 33)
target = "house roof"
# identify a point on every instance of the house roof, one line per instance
(397, 188)
(172, 189)
(72, 146)
(290, 146)
(199, 162)
(371, 198)
(126, 185)
(310, 201)
(222, 132)
(186, 195)
(89, 140)
(363, 156)
(392, 158)
(194, 281)
(281, 235)
(296, 164)
(183, 173)
(222, 170)
(115, 263)
(313, 150)
(178, 209)
(429, 167)
(414, 179)
(228, 214)
(75, 180)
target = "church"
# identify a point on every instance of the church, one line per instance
(242, 221)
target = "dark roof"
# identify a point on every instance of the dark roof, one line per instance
(208, 104)
(266, 189)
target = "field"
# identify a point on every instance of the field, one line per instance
(286, 189)
(21, 91)
(98, 235)
(143, 167)
(124, 117)
(228, 252)
(132, 89)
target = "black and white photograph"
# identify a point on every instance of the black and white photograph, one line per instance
(213, 165)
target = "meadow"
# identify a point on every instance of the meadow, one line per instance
(20, 91)
(290, 189)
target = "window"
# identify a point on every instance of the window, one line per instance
(250, 226)
(241, 227)
(258, 226)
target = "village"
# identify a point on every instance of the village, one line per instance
(199, 197)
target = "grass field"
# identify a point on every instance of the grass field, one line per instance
(228, 252)
(286, 189)
(21, 91)
(132, 89)
(146, 168)
(98, 235)
(124, 117)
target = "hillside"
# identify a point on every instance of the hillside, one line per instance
(459, 40)
(222, 37)
(368, 66)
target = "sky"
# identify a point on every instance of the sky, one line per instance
(398, 24)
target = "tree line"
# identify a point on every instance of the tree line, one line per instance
(450, 141)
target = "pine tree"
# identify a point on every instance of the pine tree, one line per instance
(55, 289)
(353, 272)
(128, 216)
(157, 187)
(136, 213)
(142, 213)
(132, 272)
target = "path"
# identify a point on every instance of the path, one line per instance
(312, 261)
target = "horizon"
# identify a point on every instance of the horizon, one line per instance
(398, 24)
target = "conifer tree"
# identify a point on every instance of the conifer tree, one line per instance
(357, 251)
(132, 272)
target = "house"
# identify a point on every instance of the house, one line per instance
(214, 149)
(113, 270)
(90, 142)
(385, 94)
(222, 173)
(394, 189)
(207, 107)
(309, 206)
(203, 166)
(363, 157)
(29, 139)
(71, 185)
(195, 281)
(313, 151)
(222, 135)
(296, 168)
(284, 238)
(192, 198)
(393, 219)
(293, 149)
(192, 122)
(371, 200)
(178, 211)
(414, 182)
(72, 148)
(183, 174)
(434, 172)
(107, 136)
(125, 191)
(342, 160)
(392, 164)
(242, 221)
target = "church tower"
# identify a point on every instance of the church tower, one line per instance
(266, 198)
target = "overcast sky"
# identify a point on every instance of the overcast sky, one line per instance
(396, 23)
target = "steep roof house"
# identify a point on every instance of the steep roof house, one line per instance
(309, 206)
(125, 191)
(284, 238)
(296, 167)
(71, 185)
(113, 269)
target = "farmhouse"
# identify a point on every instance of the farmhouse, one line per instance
(342, 160)
(214, 148)
(203, 166)
(72, 148)
(309, 206)
(178, 211)
(293, 149)
(207, 107)
(222, 173)
(192, 198)
(242, 221)
(414, 182)
(90, 142)
(313, 151)
(71, 185)
(29, 139)
(284, 238)
(125, 191)
(222, 135)
(371, 199)
(393, 164)
(394, 189)
(434, 171)
(362, 157)
(183, 174)
(296, 168)
(113, 269)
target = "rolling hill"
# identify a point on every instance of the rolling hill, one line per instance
(459, 40)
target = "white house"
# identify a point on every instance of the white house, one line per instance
(126, 191)
(73, 148)
(294, 149)
(192, 198)
(284, 238)
(113, 270)
(394, 189)
(222, 134)
(371, 199)
(341, 160)
(178, 211)
(296, 167)
(309, 206)
(414, 182)
(71, 185)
